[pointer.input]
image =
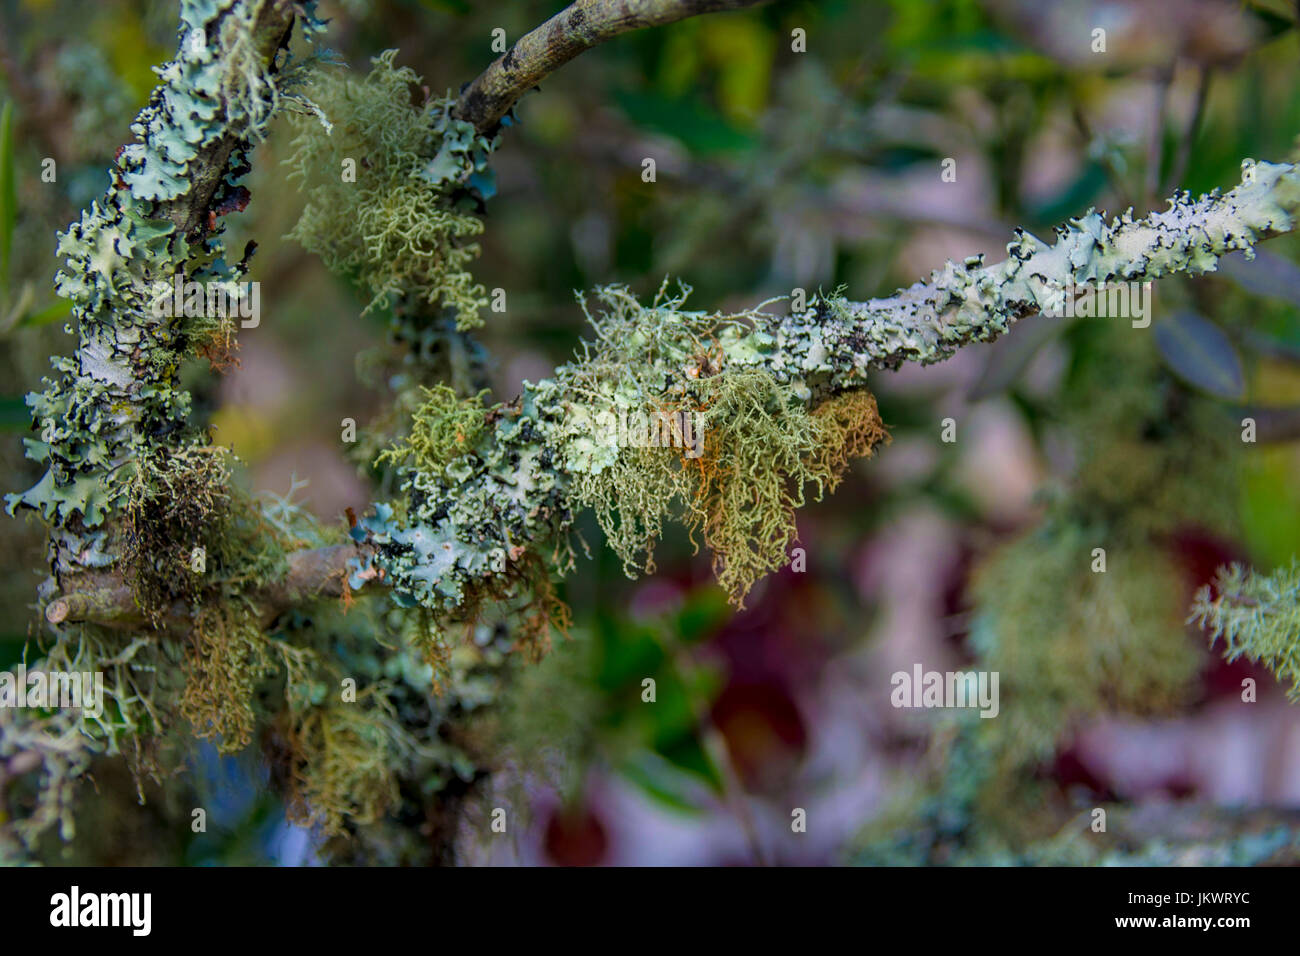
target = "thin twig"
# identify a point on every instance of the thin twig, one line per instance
(1156, 140)
(1190, 131)
(576, 28)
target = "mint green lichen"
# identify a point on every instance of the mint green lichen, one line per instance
(473, 521)
(117, 395)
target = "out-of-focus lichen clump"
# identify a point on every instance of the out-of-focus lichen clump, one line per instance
(1150, 454)
(940, 819)
(344, 762)
(1070, 641)
(391, 189)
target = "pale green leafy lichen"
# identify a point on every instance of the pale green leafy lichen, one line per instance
(104, 407)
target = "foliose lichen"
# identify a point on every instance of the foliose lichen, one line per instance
(117, 396)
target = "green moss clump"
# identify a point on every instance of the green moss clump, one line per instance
(386, 189)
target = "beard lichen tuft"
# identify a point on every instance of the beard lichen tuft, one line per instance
(760, 443)
(177, 499)
(194, 540)
(763, 450)
(227, 655)
(390, 187)
(340, 762)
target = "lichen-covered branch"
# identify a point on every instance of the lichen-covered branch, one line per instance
(575, 29)
(510, 488)
(135, 497)
(311, 573)
(755, 384)
(115, 400)
(972, 302)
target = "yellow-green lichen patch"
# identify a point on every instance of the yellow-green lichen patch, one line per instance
(387, 189)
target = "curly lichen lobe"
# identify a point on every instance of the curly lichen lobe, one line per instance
(391, 188)
(482, 500)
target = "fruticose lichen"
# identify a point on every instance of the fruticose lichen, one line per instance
(485, 499)
(391, 189)
(748, 446)
(1257, 616)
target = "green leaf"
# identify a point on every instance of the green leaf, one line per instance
(1078, 195)
(687, 754)
(699, 127)
(15, 416)
(1268, 275)
(664, 783)
(459, 7)
(8, 193)
(1198, 352)
(704, 611)
(59, 309)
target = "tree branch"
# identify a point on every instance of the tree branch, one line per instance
(831, 345)
(577, 28)
(189, 213)
(312, 573)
